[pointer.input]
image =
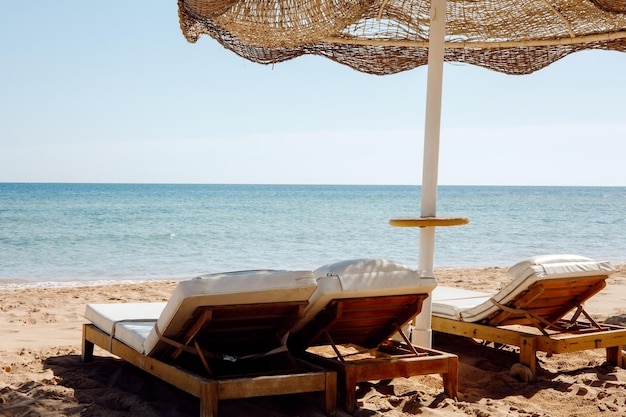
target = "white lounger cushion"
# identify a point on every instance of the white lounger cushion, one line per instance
(117, 319)
(451, 302)
(363, 278)
(231, 288)
(473, 306)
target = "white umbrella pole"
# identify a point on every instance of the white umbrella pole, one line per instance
(422, 333)
(432, 130)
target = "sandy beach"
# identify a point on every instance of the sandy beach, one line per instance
(41, 373)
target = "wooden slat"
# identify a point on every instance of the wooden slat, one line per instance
(476, 331)
(371, 303)
(362, 323)
(264, 385)
(577, 281)
(380, 314)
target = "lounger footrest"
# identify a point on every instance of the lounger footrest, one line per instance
(391, 360)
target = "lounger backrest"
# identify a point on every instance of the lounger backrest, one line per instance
(362, 302)
(365, 322)
(238, 312)
(549, 287)
(240, 330)
(550, 299)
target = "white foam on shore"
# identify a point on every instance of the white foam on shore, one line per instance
(24, 285)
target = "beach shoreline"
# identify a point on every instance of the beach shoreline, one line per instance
(41, 372)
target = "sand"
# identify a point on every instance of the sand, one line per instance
(41, 373)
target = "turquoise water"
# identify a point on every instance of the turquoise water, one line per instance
(78, 232)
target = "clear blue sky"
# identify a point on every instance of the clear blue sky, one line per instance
(112, 92)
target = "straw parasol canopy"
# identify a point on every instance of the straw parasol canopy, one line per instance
(389, 36)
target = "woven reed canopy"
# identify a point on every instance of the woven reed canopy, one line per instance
(389, 36)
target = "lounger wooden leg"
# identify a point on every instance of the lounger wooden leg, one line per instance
(614, 356)
(451, 378)
(329, 396)
(528, 354)
(209, 400)
(349, 389)
(87, 348)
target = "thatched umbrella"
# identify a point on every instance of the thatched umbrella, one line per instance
(388, 36)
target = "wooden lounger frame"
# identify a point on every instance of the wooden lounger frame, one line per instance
(535, 321)
(368, 323)
(294, 377)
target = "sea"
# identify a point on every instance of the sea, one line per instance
(87, 234)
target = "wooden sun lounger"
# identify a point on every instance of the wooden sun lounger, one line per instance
(306, 378)
(547, 315)
(363, 326)
(216, 352)
(357, 307)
